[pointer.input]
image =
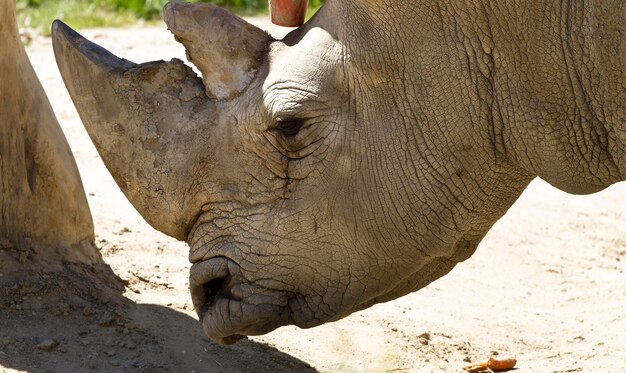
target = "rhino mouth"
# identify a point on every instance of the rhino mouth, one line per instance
(229, 307)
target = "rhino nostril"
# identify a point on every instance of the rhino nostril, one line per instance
(210, 292)
(210, 281)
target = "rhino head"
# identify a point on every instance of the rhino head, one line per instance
(312, 176)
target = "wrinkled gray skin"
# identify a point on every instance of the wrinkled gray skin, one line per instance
(361, 157)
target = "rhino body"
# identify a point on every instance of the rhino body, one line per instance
(362, 156)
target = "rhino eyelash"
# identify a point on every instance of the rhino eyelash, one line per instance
(289, 127)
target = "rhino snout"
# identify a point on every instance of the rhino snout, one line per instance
(208, 280)
(229, 306)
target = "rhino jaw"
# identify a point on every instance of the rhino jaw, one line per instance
(143, 120)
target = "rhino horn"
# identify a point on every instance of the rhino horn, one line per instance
(226, 49)
(144, 120)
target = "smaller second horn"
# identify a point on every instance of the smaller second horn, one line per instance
(225, 48)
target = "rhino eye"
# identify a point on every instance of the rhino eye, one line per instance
(289, 127)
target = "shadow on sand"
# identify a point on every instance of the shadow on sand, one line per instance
(85, 326)
(164, 340)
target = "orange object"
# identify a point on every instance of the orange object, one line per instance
(288, 13)
(475, 368)
(495, 364)
(503, 363)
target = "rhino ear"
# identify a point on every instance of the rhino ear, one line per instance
(225, 48)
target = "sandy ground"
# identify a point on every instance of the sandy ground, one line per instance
(547, 284)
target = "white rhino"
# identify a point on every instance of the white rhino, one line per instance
(362, 156)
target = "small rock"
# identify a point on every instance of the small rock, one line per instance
(425, 335)
(26, 290)
(87, 311)
(23, 256)
(65, 308)
(25, 37)
(47, 345)
(107, 319)
(423, 341)
(4, 244)
(494, 353)
(467, 359)
(110, 353)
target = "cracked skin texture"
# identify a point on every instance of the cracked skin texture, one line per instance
(372, 151)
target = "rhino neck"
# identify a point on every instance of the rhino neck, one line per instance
(551, 76)
(456, 181)
(541, 86)
(447, 179)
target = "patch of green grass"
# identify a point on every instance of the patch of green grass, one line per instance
(39, 14)
(77, 13)
(313, 9)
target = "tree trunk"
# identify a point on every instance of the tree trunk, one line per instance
(44, 216)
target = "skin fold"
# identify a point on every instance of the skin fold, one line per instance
(361, 157)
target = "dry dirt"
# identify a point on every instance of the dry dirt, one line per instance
(547, 284)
